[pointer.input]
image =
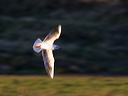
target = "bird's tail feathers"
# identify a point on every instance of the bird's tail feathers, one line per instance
(37, 43)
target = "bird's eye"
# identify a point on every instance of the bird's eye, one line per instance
(58, 47)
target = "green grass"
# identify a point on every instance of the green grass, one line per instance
(63, 86)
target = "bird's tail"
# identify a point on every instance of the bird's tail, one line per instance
(37, 43)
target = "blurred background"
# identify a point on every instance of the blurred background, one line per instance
(94, 37)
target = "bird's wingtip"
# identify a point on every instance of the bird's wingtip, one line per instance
(59, 28)
(59, 25)
(51, 77)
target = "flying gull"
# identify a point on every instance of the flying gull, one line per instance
(47, 46)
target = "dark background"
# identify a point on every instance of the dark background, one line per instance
(94, 37)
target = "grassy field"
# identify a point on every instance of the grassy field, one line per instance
(63, 86)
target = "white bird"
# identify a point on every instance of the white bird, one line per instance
(47, 46)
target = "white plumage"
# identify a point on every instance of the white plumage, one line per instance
(47, 46)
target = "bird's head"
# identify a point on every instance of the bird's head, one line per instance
(56, 47)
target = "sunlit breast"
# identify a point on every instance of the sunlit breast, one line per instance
(46, 46)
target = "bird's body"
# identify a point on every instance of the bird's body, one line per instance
(47, 46)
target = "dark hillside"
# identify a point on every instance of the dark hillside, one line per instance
(93, 40)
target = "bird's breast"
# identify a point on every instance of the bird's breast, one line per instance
(46, 46)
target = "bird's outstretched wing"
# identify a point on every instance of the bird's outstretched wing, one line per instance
(48, 61)
(53, 35)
